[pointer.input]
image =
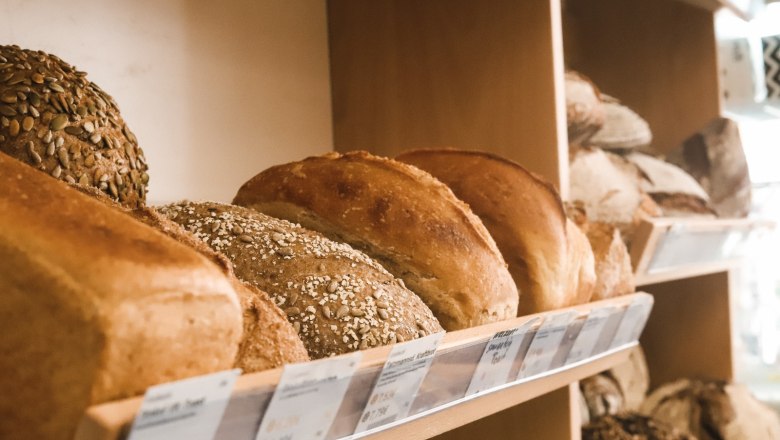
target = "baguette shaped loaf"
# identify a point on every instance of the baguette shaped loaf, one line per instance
(338, 299)
(95, 306)
(403, 217)
(549, 259)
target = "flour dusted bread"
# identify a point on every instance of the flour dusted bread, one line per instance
(338, 299)
(623, 129)
(614, 275)
(403, 217)
(609, 188)
(95, 306)
(549, 258)
(584, 110)
(53, 118)
(676, 192)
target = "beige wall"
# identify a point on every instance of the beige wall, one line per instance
(214, 90)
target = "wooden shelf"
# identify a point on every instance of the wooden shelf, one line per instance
(440, 405)
(715, 5)
(666, 249)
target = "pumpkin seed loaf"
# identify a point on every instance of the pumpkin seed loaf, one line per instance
(53, 118)
(338, 299)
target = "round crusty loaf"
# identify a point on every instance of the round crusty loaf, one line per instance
(622, 129)
(677, 193)
(56, 120)
(96, 306)
(609, 188)
(338, 299)
(403, 217)
(614, 275)
(525, 215)
(584, 109)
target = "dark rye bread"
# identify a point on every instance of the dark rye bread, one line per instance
(403, 217)
(96, 306)
(53, 118)
(268, 340)
(338, 299)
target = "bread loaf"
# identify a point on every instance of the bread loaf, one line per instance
(614, 275)
(584, 109)
(715, 158)
(622, 129)
(677, 193)
(403, 217)
(631, 426)
(268, 340)
(608, 186)
(712, 410)
(338, 299)
(95, 306)
(56, 120)
(549, 258)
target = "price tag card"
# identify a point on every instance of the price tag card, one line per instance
(545, 344)
(497, 359)
(190, 408)
(633, 322)
(307, 398)
(589, 335)
(397, 385)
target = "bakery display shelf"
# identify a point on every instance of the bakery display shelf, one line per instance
(737, 7)
(441, 404)
(665, 249)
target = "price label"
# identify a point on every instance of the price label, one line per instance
(545, 344)
(307, 398)
(497, 358)
(397, 385)
(590, 334)
(633, 322)
(190, 408)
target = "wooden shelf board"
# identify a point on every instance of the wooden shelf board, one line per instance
(650, 234)
(109, 421)
(715, 5)
(438, 422)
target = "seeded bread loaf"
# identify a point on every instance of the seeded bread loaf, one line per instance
(95, 306)
(268, 340)
(403, 217)
(549, 259)
(338, 299)
(56, 120)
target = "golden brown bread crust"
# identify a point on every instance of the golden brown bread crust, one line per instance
(526, 217)
(613, 263)
(56, 120)
(403, 217)
(337, 298)
(95, 306)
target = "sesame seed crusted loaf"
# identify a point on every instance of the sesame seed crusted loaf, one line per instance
(268, 340)
(96, 306)
(525, 216)
(402, 216)
(338, 299)
(53, 118)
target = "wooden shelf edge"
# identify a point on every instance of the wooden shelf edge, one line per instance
(448, 417)
(108, 421)
(651, 232)
(715, 5)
